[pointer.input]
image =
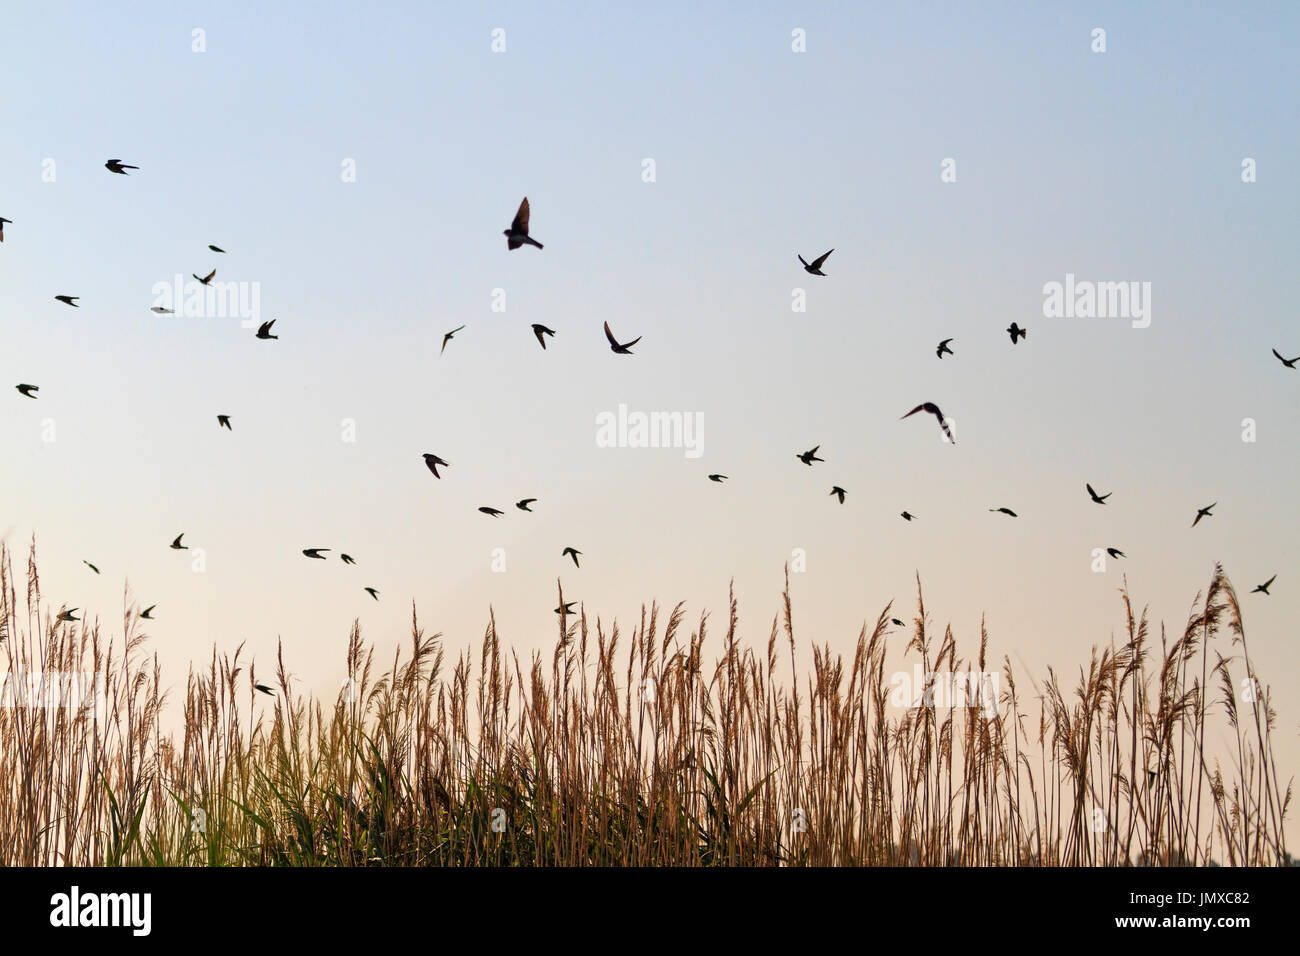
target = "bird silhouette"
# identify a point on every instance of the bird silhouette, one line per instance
(523, 504)
(119, 167)
(517, 234)
(28, 390)
(447, 338)
(315, 553)
(89, 565)
(69, 300)
(205, 279)
(223, 421)
(1100, 499)
(810, 456)
(1006, 511)
(491, 511)
(906, 516)
(1203, 513)
(623, 349)
(1263, 588)
(177, 546)
(933, 409)
(943, 349)
(541, 332)
(216, 249)
(147, 613)
(348, 559)
(68, 615)
(566, 608)
(815, 267)
(265, 689)
(433, 461)
(1014, 330)
(372, 592)
(718, 478)
(264, 330)
(896, 622)
(837, 490)
(1289, 363)
(161, 311)
(3, 220)
(571, 553)
(1116, 553)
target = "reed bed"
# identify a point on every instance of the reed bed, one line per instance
(662, 746)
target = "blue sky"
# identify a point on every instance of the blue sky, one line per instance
(1115, 166)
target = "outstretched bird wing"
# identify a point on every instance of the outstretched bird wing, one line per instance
(610, 335)
(817, 263)
(521, 218)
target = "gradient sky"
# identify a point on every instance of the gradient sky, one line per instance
(1118, 166)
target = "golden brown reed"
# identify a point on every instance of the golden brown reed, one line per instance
(658, 752)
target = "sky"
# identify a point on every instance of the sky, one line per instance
(359, 164)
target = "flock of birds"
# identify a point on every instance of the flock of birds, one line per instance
(517, 236)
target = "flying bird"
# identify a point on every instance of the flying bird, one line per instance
(119, 167)
(566, 608)
(541, 332)
(264, 330)
(447, 338)
(1100, 499)
(837, 490)
(223, 421)
(315, 552)
(810, 456)
(571, 553)
(1289, 363)
(433, 461)
(1006, 511)
(491, 511)
(161, 311)
(68, 615)
(718, 478)
(3, 220)
(69, 300)
(523, 504)
(1116, 553)
(933, 409)
(943, 349)
(1203, 513)
(906, 516)
(348, 559)
(147, 613)
(216, 249)
(517, 234)
(28, 389)
(205, 279)
(265, 690)
(896, 622)
(625, 348)
(89, 565)
(815, 267)
(1263, 588)
(1014, 330)
(176, 545)
(372, 592)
